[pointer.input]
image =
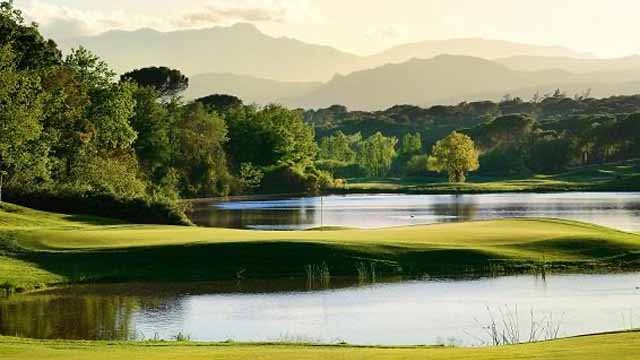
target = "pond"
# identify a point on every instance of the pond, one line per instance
(405, 312)
(617, 210)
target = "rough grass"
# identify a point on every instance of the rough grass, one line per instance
(621, 346)
(39, 248)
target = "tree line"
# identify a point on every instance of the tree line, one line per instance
(70, 129)
(513, 137)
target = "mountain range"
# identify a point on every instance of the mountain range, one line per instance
(260, 68)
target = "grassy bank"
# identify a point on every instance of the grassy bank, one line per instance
(39, 249)
(611, 177)
(608, 346)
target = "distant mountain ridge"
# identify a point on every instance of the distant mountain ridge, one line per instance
(244, 50)
(242, 61)
(249, 88)
(240, 49)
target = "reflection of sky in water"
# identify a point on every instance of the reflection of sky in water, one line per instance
(414, 312)
(619, 210)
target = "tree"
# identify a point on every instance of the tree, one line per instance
(31, 50)
(20, 111)
(505, 132)
(111, 105)
(411, 144)
(339, 147)
(456, 154)
(201, 159)
(220, 102)
(376, 153)
(153, 123)
(167, 82)
(270, 136)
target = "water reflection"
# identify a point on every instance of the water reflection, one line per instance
(407, 312)
(618, 210)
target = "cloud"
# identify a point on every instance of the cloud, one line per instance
(217, 13)
(387, 33)
(62, 21)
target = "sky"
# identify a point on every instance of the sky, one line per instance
(604, 28)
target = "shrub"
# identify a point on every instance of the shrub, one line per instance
(136, 210)
(340, 169)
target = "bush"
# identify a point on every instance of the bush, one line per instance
(502, 163)
(340, 169)
(289, 179)
(417, 166)
(136, 210)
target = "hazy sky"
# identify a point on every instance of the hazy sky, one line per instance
(605, 28)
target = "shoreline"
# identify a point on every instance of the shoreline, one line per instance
(619, 345)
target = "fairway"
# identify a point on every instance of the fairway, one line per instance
(620, 346)
(40, 249)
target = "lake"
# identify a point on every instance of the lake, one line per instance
(617, 210)
(407, 312)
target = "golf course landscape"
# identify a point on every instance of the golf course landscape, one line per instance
(292, 180)
(41, 249)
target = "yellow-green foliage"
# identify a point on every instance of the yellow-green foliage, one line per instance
(456, 154)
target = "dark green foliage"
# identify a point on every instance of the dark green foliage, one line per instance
(510, 131)
(153, 123)
(502, 163)
(287, 179)
(220, 102)
(31, 49)
(550, 156)
(341, 169)
(167, 82)
(201, 159)
(269, 136)
(134, 210)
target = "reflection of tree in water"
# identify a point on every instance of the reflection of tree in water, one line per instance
(460, 208)
(248, 217)
(78, 317)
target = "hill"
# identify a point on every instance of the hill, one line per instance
(239, 49)
(483, 48)
(249, 88)
(245, 50)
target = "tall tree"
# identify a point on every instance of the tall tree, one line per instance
(456, 154)
(411, 144)
(376, 153)
(167, 82)
(339, 147)
(201, 159)
(32, 51)
(269, 136)
(220, 102)
(20, 111)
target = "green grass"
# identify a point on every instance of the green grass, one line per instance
(621, 346)
(39, 248)
(623, 176)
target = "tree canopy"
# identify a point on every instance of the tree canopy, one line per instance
(456, 154)
(31, 49)
(220, 102)
(168, 82)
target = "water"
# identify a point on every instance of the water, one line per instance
(410, 312)
(617, 210)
